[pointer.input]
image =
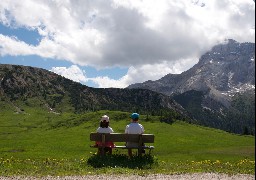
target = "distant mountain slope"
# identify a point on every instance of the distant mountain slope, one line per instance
(221, 75)
(22, 85)
(225, 70)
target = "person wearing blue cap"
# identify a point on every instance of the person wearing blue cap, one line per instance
(133, 128)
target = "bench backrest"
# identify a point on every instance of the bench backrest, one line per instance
(119, 137)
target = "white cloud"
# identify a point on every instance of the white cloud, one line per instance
(155, 37)
(12, 46)
(106, 82)
(73, 72)
(143, 73)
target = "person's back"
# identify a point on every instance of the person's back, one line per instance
(104, 127)
(133, 128)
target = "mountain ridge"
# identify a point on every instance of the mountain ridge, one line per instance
(179, 83)
(21, 84)
(221, 75)
(203, 95)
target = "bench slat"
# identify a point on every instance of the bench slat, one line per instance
(118, 137)
(125, 147)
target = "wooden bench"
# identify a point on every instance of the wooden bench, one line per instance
(122, 137)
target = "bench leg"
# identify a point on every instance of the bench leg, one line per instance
(139, 151)
(110, 151)
(130, 152)
(101, 151)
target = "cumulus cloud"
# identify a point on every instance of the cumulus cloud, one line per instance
(106, 82)
(134, 75)
(73, 72)
(12, 46)
(148, 35)
(143, 73)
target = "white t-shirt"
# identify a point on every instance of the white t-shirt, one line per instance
(105, 130)
(134, 128)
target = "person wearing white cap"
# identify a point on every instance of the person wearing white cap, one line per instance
(133, 128)
(105, 128)
(104, 125)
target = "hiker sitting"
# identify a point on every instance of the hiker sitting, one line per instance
(133, 128)
(105, 128)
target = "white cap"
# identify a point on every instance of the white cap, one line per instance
(105, 117)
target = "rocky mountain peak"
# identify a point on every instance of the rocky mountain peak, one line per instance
(211, 89)
(229, 67)
(226, 69)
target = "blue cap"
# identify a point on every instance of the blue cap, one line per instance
(135, 116)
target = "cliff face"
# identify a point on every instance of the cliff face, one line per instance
(222, 75)
(225, 70)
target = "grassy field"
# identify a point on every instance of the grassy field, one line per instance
(36, 142)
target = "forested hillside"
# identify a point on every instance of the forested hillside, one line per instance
(27, 86)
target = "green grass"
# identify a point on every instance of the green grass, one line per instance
(39, 143)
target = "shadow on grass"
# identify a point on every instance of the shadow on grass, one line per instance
(120, 160)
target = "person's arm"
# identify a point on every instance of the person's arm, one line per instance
(126, 129)
(142, 129)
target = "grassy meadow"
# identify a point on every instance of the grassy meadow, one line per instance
(36, 142)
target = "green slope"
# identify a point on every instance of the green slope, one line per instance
(38, 142)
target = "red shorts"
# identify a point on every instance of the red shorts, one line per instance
(107, 144)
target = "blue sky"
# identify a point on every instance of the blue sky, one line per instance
(115, 43)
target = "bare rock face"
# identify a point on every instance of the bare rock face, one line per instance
(221, 75)
(226, 69)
